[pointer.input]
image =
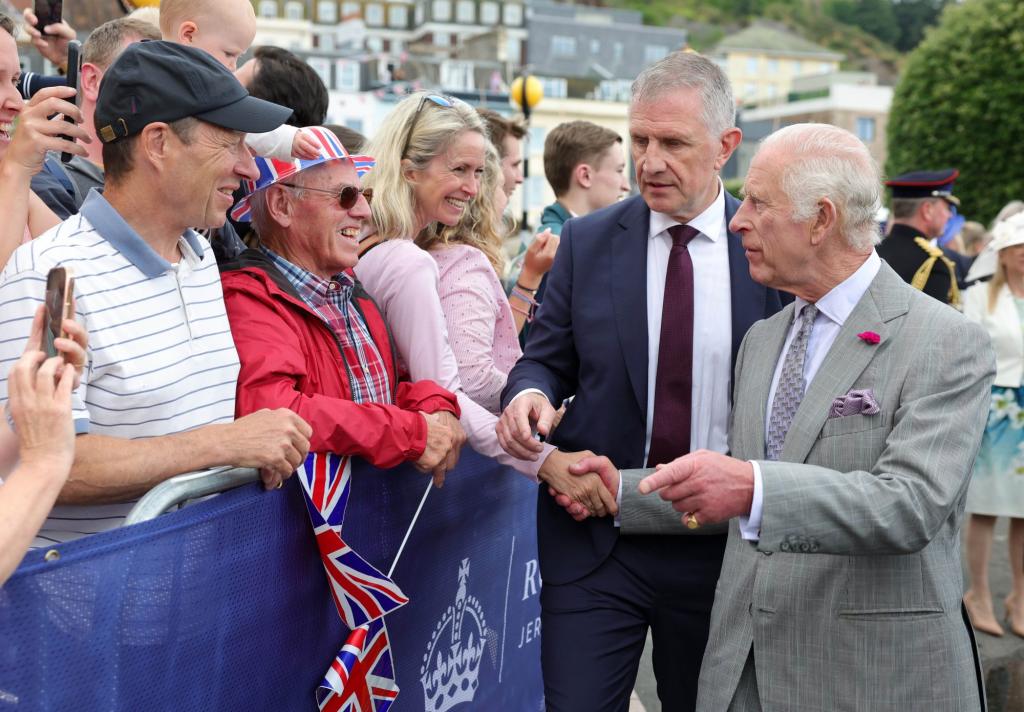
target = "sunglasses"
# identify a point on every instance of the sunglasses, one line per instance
(348, 196)
(443, 101)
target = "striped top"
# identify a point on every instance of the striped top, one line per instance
(160, 360)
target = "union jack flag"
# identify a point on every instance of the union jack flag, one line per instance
(362, 677)
(326, 477)
(361, 592)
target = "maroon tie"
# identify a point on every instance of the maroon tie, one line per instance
(670, 435)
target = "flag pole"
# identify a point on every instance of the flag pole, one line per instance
(426, 493)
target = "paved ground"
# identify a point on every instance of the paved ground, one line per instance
(1002, 658)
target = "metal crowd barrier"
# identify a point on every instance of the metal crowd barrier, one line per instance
(193, 485)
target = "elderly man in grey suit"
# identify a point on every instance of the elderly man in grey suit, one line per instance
(858, 411)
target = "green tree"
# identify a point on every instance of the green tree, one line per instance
(913, 17)
(876, 17)
(959, 103)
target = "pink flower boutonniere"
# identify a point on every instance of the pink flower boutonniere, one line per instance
(869, 337)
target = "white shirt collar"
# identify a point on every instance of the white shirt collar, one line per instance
(842, 298)
(709, 222)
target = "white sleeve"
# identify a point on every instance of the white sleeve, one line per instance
(275, 144)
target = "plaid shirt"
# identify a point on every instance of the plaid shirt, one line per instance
(332, 302)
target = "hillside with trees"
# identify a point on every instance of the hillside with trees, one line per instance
(873, 34)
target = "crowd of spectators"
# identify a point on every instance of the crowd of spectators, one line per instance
(380, 329)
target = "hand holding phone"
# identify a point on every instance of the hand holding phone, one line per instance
(60, 289)
(74, 72)
(48, 12)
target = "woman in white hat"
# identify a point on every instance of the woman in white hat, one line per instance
(997, 487)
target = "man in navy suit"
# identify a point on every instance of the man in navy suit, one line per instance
(647, 304)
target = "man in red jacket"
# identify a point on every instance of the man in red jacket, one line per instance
(308, 336)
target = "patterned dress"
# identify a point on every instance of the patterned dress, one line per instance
(997, 487)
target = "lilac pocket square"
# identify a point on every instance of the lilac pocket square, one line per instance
(856, 402)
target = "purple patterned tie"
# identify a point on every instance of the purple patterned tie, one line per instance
(670, 433)
(789, 391)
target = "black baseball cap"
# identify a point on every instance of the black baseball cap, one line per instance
(165, 81)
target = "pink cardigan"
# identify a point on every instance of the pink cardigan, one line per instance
(404, 281)
(481, 328)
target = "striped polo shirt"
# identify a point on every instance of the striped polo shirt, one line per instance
(161, 359)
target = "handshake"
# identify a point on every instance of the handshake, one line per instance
(705, 487)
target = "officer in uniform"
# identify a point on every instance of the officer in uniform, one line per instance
(921, 203)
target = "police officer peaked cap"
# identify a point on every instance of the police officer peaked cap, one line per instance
(164, 81)
(925, 184)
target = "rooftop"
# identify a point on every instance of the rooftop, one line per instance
(765, 38)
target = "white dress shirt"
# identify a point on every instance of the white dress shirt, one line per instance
(833, 310)
(712, 323)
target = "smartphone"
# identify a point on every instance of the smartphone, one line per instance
(60, 290)
(48, 12)
(74, 72)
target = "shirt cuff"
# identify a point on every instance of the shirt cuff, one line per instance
(618, 502)
(524, 392)
(750, 527)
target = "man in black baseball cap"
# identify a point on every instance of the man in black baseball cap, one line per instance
(921, 207)
(165, 81)
(158, 399)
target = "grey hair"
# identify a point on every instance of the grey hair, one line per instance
(689, 70)
(825, 161)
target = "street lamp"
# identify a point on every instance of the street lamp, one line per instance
(526, 92)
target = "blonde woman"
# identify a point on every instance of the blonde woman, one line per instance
(430, 158)
(997, 486)
(483, 329)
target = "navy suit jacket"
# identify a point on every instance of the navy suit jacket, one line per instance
(590, 340)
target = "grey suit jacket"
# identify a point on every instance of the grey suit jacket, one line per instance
(851, 599)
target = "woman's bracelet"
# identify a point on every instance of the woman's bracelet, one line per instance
(519, 294)
(527, 289)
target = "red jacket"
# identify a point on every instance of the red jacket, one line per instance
(291, 359)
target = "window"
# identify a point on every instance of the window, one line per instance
(797, 68)
(752, 65)
(374, 14)
(326, 41)
(465, 12)
(772, 91)
(418, 14)
(554, 87)
(652, 53)
(513, 14)
(824, 68)
(398, 16)
(866, 128)
(563, 46)
(442, 39)
(595, 46)
(322, 67)
(374, 44)
(514, 48)
(268, 8)
(347, 73)
(457, 76)
(773, 66)
(326, 11)
(351, 9)
(750, 92)
(442, 10)
(617, 52)
(489, 13)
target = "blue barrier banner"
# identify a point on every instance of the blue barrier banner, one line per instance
(224, 605)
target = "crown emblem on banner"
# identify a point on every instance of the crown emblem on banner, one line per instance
(451, 666)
